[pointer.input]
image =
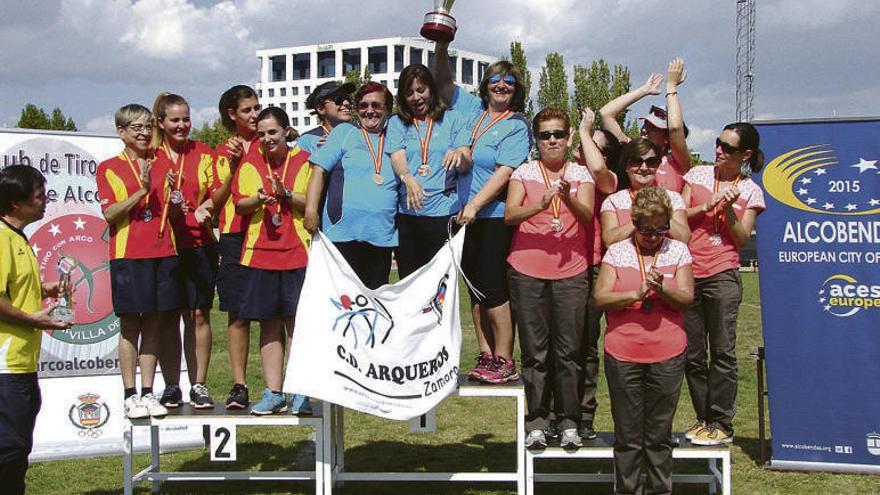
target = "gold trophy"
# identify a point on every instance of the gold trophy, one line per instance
(64, 311)
(439, 25)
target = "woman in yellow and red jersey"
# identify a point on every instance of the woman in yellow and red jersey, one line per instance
(190, 167)
(238, 107)
(269, 192)
(143, 257)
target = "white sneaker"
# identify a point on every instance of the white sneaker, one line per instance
(153, 406)
(135, 409)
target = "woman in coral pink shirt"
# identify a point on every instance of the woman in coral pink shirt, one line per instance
(723, 203)
(645, 284)
(550, 201)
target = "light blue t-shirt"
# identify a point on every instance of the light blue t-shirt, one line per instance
(309, 139)
(356, 208)
(507, 144)
(441, 186)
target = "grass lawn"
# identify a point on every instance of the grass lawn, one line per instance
(471, 436)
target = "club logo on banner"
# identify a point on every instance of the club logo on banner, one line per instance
(820, 289)
(89, 415)
(392, 352)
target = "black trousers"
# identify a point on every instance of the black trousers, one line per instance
(590, 353)
(420, 239)
(643, 401)
(20, 402)
(372, 264)
(550, 320)
(711, 319)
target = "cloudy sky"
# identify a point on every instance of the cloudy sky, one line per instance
(815, 58)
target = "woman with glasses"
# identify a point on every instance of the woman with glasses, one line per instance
(550, 201)
(500, 143)
(663, 127)
(361, 198)
(723, 204)
(640, 159)
(330, 103)
(189, 165)
(430, 152)
(645, 285)
(143, 259)
(238, 108)
(269, 192)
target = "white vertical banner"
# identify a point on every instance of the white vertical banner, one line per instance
(391, 352)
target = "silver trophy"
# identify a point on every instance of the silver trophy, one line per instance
(439, 25)
(64, 311)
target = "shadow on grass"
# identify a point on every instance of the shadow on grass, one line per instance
(752, 448)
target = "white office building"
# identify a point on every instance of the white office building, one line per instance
(288, 75)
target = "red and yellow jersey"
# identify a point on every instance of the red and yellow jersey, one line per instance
(136, 235)
(230, 223)
(275, 238)
(195, 169)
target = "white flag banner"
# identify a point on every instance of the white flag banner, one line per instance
(392, 352)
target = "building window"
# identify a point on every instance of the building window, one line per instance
(260, 93)
(271, 93)
(307, 120)
(294, 90)
(351, 60)
(467, 71)
(396, 83)
(378, 59)
(271, 105)
(326, 64)
(294, 106)
(398, 58)
(294, 121)
(481, 69)
(430, 58)
(301, 69)
(282, 91)
(415, 55)
(278, 68)
(307, 90)
(284, 106)
(453, 61)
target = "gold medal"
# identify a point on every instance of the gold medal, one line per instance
(146, 215)
(276, 219)
(424, 170)
(715, 239)
(378, 180)
(556, 225)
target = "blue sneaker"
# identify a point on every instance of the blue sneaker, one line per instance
(300, 405)
(270, 403)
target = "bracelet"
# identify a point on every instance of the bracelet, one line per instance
(671, 93)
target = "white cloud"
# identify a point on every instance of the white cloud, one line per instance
(203, 115)
(813, 14)
(102, 124)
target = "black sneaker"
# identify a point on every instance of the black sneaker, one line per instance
(238, 397)
(199, 398)
(586, 431)
(172, 396)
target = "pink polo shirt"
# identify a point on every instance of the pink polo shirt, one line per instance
(633, 335)
(669, 175)
(536, 250)
(621, 204)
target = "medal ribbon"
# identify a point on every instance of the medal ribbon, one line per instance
(555, 202)
(476, 134)
(424, 143)
(179, 165)
(269, 175)
(137, 177)
(377, 157)
(642, 270)
(718, 212)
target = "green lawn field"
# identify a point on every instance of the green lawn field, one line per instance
(472, 434)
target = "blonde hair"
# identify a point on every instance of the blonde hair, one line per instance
(651, 202)
(130, 113)
(160, 110)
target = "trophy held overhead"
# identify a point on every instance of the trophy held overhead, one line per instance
(439, 26)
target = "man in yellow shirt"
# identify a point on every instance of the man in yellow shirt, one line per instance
(22, 318)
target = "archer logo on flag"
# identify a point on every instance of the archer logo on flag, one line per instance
(436, 302)
(362, 316)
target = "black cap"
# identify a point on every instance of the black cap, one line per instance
(326, 90)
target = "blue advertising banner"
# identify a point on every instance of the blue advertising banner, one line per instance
(819, 255)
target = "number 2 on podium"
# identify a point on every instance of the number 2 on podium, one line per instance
(223, 443)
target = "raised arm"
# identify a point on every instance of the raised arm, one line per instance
(606, 182)
(675, 121)
(441, 72)
(608, 114)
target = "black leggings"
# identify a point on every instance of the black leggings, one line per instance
(420, 239)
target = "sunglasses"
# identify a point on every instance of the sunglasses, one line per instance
(139, 128)
(339, 100)
(725, 147)
(653, 232)
(637, 161)
(558, 134)
(658, 112)
(375, 105)
(508, 79)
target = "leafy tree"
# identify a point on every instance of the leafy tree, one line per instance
(212, 135)
(553, 83)
(354, 76)
(58, 122)
(518, 59)
(33, 117)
